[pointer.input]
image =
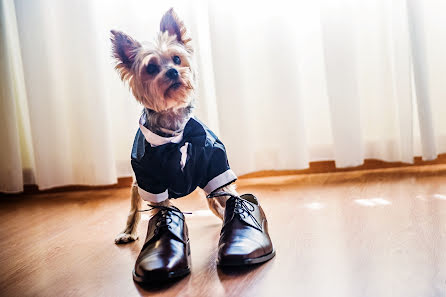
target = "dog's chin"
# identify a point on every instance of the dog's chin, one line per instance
(176, 96)
(173, 90)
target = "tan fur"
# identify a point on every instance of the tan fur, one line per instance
(155, 92)
(171, 23)
(217, 204)
(130, 233)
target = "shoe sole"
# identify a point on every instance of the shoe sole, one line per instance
(246, 262)
(163, 276)
(160, 277)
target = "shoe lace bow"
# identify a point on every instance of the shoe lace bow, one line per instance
(165, 217)
(242, 208)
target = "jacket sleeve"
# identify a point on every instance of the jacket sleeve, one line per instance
(218, 173)
(150, 187)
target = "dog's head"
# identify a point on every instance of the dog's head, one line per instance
(160, 74)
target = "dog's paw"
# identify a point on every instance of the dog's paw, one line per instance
(125, 238)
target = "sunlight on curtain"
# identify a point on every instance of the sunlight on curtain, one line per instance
(16, 158)
(283, 83)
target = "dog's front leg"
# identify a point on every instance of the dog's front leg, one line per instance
(217, 204)
(130, 232)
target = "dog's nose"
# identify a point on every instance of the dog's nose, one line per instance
(172, 73)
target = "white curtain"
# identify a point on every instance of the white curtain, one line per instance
(283, 83)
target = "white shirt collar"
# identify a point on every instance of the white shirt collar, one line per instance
(155, 139)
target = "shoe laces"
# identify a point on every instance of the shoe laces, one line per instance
(242, 208)
(165, 216)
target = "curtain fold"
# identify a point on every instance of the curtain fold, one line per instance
(340, 32)
(68, 107)
(16, 158)
(421, 79)
(283, 83)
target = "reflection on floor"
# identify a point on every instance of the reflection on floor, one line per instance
(368, 233)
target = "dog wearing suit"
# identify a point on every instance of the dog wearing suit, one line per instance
(174, 153)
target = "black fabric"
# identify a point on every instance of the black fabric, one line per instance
(158, 168)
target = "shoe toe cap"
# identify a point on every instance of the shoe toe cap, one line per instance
(239, 251)
(155, 266)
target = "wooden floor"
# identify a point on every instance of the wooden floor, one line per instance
(369, 233)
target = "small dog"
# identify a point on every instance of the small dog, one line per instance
(162, 77)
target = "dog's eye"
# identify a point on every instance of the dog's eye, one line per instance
(176, 60)
(152, 69)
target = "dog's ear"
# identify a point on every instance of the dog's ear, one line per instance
(124, 49)
(171, 23)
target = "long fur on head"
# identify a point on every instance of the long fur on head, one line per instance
(157, 92)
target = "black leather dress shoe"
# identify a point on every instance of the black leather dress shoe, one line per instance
(244, 237)
(166, 252)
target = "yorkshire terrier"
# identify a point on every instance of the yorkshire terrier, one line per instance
(173, 153)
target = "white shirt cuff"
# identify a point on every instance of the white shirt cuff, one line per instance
(147, 196)
(220, 180)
